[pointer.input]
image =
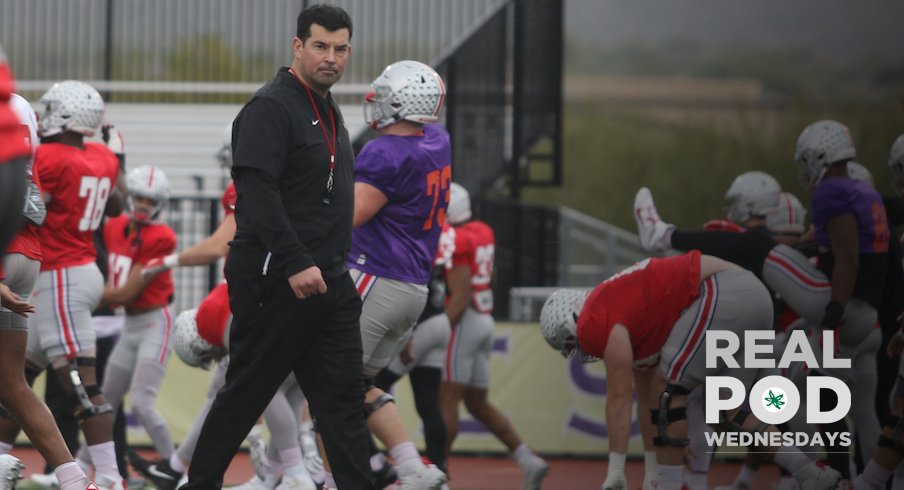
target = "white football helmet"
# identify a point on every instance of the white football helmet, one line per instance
(857, 171)
(224, 155)
(406, 90)
(896, 163)
(820, 145)
(752, 194)
(188, 344)
(559, 319)
(459, 210)
(149, 182)
(71, 106)
(789, 217)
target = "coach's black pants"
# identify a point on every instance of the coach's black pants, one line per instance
(273, 334)
(12, 199)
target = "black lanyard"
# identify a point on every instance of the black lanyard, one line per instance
(331, 145)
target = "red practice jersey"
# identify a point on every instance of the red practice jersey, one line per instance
(78, 181)
(126, 248)
(213, 315)
(647, 298)
(475, 246)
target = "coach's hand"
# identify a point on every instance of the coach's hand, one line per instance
(307, 283)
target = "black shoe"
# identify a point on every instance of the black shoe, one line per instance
(385, 476)
(160, 474)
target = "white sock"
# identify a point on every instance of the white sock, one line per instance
(403, 453)
(290, 457)
(696, 480)
(175, 462)
(745, 476)
(791, 459)
(670, 476)
(873, 476)
(650, 471)
(103, 456)
(71, 477)
(523, 455)
(5, 448)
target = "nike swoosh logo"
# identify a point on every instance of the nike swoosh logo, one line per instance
(314, 122)
(159, 474)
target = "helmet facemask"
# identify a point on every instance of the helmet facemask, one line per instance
(149, 191)
(559, 321)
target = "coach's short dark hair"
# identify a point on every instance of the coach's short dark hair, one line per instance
(331, 17)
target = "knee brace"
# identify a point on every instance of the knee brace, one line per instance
(736, 423)
(370, 408)
(663, 416)
(83, 394)
(896, 424)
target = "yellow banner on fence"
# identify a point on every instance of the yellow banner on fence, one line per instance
(556, 405)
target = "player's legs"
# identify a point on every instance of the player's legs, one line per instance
(801, 285)
(64, 299)
(425, 384)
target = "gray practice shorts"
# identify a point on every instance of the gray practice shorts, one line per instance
(21, 274)
(468, 354)
(390, 309)
(61, 326)
(146, 337)
(431, 337)
(804, 288)
(732, 300)
(853, 341)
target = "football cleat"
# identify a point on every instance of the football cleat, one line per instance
(10, 471)
(655, 235)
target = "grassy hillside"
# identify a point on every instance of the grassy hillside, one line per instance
(689, 156)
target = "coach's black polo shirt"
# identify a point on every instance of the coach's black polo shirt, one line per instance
(280, 166)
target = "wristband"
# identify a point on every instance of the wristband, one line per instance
(833, 315)
(171, 260)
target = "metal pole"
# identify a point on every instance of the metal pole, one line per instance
(108, 50)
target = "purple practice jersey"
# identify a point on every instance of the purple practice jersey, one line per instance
(835, 197)
(414, 173)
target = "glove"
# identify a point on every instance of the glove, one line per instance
(615, 483)
(833, 317)
(723, 225)
(160, 264)
(113, 139)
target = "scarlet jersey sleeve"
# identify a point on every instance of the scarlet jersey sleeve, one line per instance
(161, 242)
(229, 198)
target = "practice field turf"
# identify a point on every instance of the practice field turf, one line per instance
(481, 473)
